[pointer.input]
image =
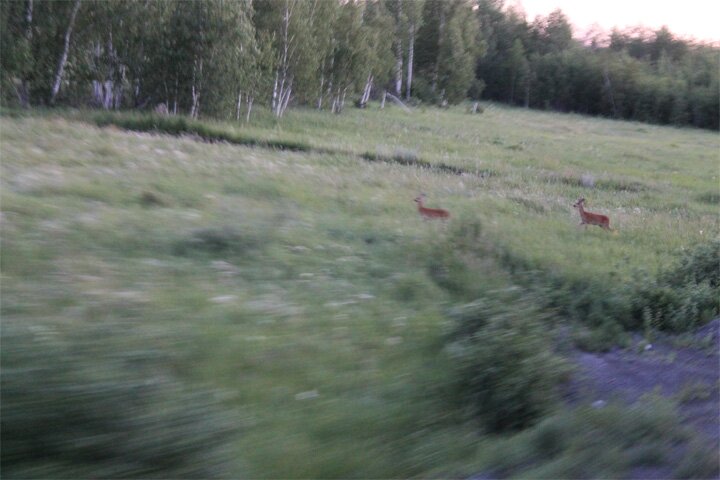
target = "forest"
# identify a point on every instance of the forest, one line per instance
(218, 58)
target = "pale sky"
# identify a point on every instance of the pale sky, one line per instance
(699, 19)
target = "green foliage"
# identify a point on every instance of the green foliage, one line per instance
(698, 463)
(600, 442)
(677, 299)
(683, 297)
(216, 59)
(326, 335)
(503, 355)
(79, 405)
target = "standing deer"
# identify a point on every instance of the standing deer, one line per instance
(430, 212)
(588, 218)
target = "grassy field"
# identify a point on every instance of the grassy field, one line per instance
(300, 291)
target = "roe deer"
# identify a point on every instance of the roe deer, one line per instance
(587, 218)
(430, 212)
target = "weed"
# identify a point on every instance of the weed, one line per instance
(507, 371)
(589, 443)
(692, 392)
(78, 406)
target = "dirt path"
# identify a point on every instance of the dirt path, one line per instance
(690, 375)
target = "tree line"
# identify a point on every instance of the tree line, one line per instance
(219, 57)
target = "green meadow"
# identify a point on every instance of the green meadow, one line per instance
(296, 293)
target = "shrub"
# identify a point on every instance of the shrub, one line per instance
(607, 442)
(507, 371)
(678, 299)
(73, 406)
(683, 297)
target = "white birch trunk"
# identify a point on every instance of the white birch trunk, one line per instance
(285, 83)
(285, 102)
(195, 109)
(322, 84)
(382, 103)
(366, 92)
(411, 57)
(398, 54)
(63, 58)
(273, 104)
(239, 104)
(249, 109)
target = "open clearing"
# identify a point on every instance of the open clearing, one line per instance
(302, 288)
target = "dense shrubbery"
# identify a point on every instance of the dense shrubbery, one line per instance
(81, 408)
(678, 299)
(501, 344)
(507, 369)
(683, 297)
(607, 443)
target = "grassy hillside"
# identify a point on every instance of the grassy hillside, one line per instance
(299, 292)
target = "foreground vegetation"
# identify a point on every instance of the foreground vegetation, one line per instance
(285, 308)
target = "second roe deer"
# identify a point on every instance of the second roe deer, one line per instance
(430, 212)
(588, 218)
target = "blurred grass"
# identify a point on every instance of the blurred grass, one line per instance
(614, 441)
(303, 284)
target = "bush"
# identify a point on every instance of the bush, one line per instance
(607, 442)
(681, 298)
(678, 299)
(507, 371)
(73, 406)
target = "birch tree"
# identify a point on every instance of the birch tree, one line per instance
(413, 14)
(64, 56)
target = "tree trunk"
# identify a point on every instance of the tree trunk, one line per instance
(322, 85)
(63, 58)
(120, 88)
(320, 93)
(24, 92)
(239, 104)
(285, 83)
(441, 32)
(195, 109)
(366, 92)
(398, 102)
(398, 54)
(411, 56)
(382, 102)
(250, 104)
(107, 95)
(273, 103)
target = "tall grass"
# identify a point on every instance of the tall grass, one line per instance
(299, 292)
